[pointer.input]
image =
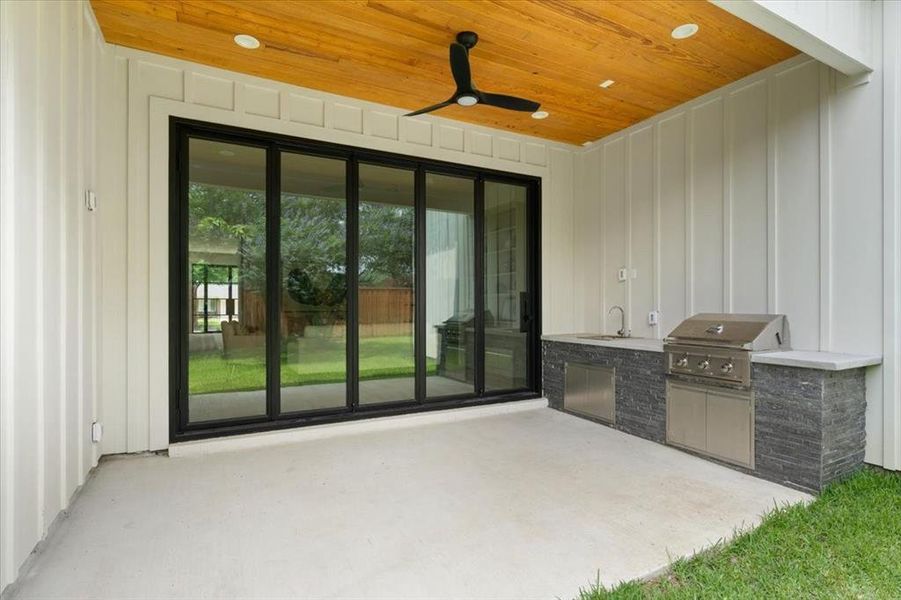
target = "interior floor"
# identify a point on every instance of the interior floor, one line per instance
(528, 504)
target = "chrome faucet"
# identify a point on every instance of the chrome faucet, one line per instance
(623, 332)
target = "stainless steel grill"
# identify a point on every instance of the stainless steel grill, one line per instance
(717, 347)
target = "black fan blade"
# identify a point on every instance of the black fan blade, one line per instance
(459, 62)
(430, 108)
(508, 102)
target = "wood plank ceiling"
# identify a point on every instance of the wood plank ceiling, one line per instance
(394, 52)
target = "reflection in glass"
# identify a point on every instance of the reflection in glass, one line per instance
(313, 281)
(216, 290)
(386, 301)
(506, 347)
(227, 270)
(450, 285)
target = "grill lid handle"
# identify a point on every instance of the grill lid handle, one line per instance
(715, 329)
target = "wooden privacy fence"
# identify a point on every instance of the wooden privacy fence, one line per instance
(383, 311)
(386, 311)
(386, 305)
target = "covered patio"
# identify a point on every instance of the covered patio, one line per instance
(509, 501)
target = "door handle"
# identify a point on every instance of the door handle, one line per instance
(524, 316)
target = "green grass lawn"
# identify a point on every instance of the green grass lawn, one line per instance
(305, 361)
(846, 544)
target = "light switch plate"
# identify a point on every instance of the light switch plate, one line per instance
(622, 274)
(653, 318)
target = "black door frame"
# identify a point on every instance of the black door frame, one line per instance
(181, 130)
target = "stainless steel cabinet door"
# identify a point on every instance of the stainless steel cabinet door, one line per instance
(602, 386)
(729, 431)
(686, 416)
(591, 391)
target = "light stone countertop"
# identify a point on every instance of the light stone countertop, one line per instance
(632, 343)
(826, 361)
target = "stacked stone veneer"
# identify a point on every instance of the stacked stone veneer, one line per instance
(640, 384)
(809, 423)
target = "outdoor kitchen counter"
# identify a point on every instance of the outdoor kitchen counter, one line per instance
(805, 359)
(809, 407)
(631, 343)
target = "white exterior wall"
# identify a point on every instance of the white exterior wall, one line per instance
(51, 61)
(763, 196)
(146, 89)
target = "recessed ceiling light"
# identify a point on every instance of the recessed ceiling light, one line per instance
(606, 84)
(226, 153)
(685, 31)
(540, 114)
(247, 41)
(586, 143)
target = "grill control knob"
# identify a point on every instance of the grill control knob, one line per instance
(682, 362)
(703, 364)
(727, 367)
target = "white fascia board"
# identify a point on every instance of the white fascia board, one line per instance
(779, 26)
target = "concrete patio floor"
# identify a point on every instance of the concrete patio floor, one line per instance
(498, 502)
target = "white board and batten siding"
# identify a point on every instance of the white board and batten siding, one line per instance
(152, 87)
(765, 197)
(52, 60)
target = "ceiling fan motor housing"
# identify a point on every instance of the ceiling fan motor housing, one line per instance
(468, 39)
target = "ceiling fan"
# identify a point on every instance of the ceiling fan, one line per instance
(467, 94)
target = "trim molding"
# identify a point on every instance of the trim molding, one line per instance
(791, 32)
(827, 86)
(891, 202)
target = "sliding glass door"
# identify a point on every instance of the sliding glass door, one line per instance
(225, 269)
(450, 286)
(507, 297)
(311, 283)
(385, 300)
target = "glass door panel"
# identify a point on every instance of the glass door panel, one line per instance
(386, 301)
(311, 281)
(450, 281)
(226, 270)
(507, 294)
(313, 273)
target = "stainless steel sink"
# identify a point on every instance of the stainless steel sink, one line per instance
(603, 337)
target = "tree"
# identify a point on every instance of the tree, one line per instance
(386, 245)
(313, 242)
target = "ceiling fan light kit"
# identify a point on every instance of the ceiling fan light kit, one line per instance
(467, 94)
